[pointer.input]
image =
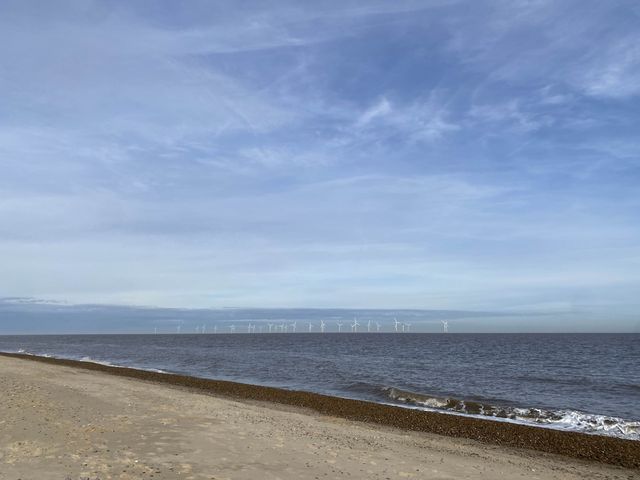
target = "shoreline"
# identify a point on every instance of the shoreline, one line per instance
(607, 450)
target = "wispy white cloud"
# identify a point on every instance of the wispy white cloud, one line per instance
(420, 121)
(528, 42)
(510, 114)
(386, 154)
(614, 71)
(380, 109)
(550, 96)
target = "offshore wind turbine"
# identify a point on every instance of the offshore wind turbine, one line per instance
(369, 326)
(339, 326)
(408, 325)
(232, 328)
(203, 328)
(270, 325)
(445, 326)
(377, 326)
(293, 326)
(396, 324)
(310, 326)
(215, 329)
(322, 325)
(355, 325)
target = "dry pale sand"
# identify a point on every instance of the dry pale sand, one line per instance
(67, 423)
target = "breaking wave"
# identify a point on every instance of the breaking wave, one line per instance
(109, 364)
(87, 359)
(560, 419)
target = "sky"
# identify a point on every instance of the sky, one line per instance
(432, 154)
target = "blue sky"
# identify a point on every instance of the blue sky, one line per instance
(381, 154)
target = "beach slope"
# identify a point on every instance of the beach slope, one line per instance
(59, 422)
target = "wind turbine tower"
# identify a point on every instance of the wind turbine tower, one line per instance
(396, 324)
(369, 326)
(445, 326)
(322, 325)
(339, 326)
(355, 325)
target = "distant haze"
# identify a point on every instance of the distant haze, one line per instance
(29, 316)
(411, 155)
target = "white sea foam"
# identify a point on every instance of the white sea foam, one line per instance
(99, 362)
(156, 370)
(109, 364)
(87, 359)
(22, 351)
(557, 419)
(589, 423)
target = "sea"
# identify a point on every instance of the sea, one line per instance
(581, 382)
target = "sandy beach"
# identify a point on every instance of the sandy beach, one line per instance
(59, 422)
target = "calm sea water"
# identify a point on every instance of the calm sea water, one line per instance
(584, 382)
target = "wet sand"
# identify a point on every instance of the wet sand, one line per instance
(62, 419)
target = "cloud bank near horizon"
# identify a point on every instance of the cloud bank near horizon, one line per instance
(409, 154)
(35, 316)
